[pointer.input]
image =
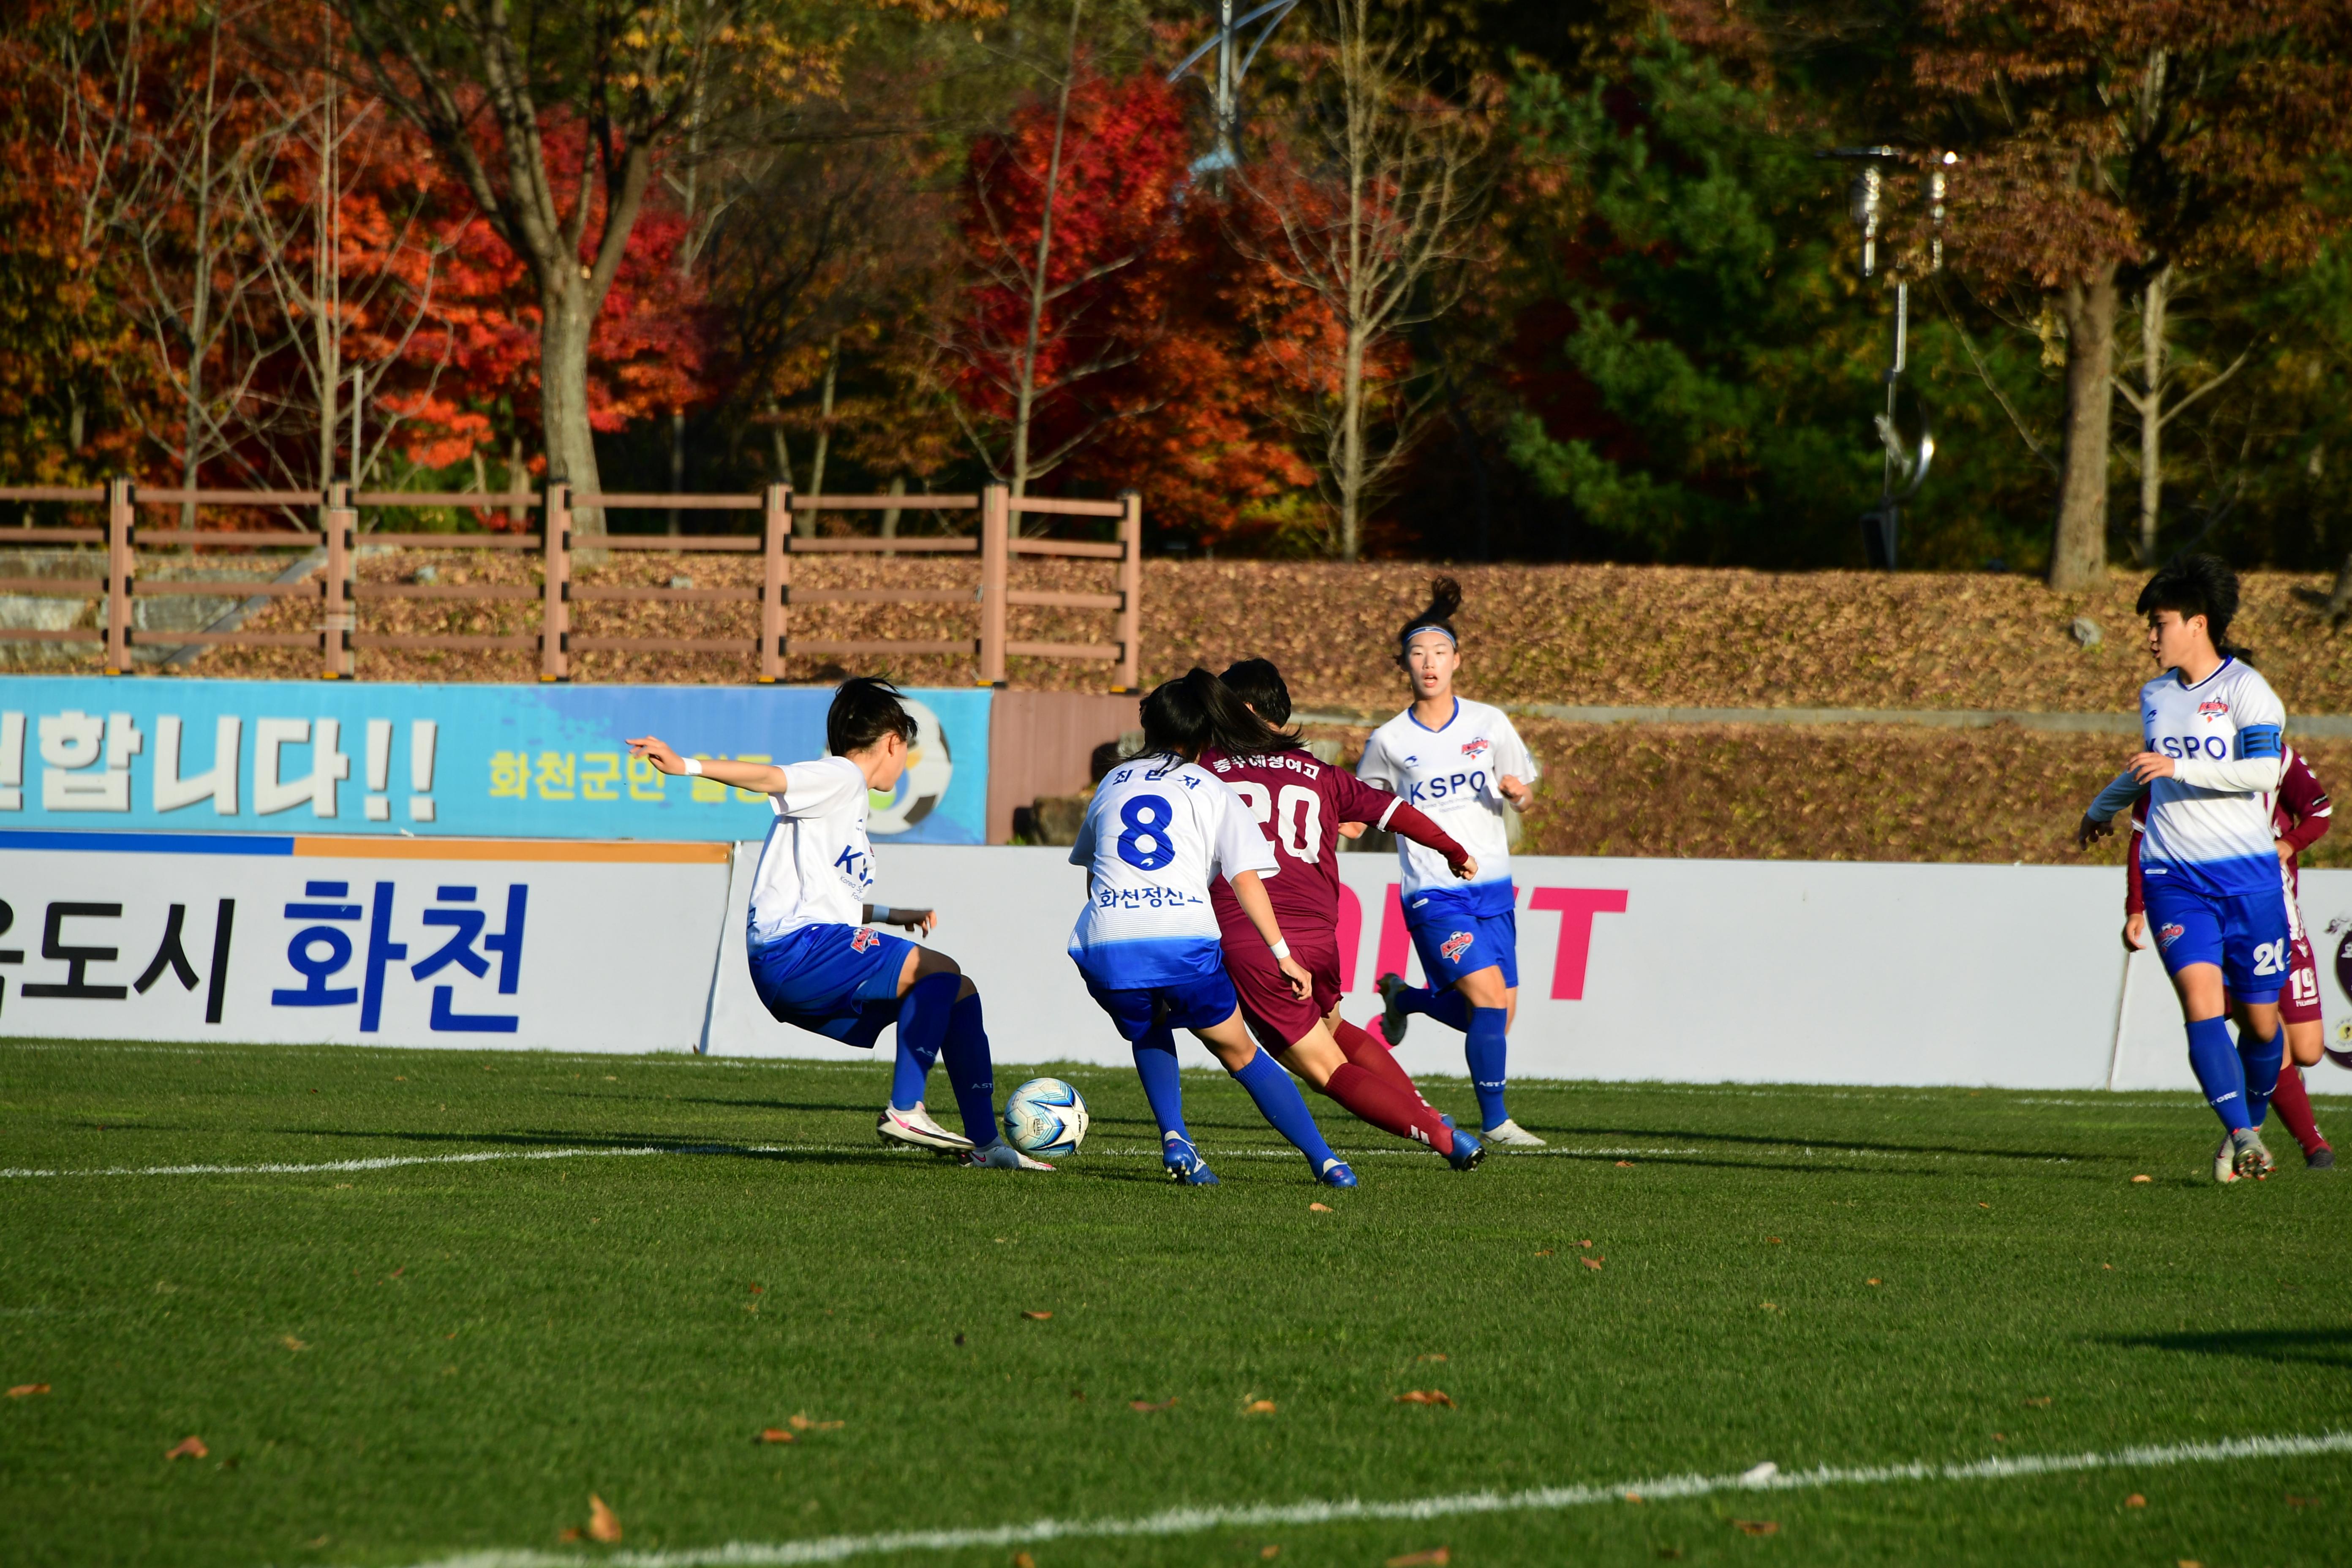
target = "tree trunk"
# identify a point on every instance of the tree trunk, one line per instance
(2151, 413)
(2078, 552)
(1352, 446)
(807, 520)
(564, 322)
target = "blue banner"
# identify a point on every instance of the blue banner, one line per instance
(531, 761)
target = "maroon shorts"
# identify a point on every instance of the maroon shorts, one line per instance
(2299, 997)
(1278, 1018)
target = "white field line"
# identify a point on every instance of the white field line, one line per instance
(1194, 1520)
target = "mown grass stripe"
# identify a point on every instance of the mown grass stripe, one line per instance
(1192, 1521)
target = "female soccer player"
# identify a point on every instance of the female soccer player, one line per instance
(1157, 832)
(2212, 731)
(2300, 814)
(1458, 762)
(815, 961)
(1304, 806)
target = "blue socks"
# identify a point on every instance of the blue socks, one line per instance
(1155, 1064)
(2213, 1057)
(2262, 1060)
(922, 1025)
(969, 1069)
(1446, 1006)
(1487, 1050)
(1280, 1101)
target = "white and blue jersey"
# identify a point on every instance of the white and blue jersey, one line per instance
(2209, 826)
(1156, 832)
(814, 963)
(1451, 775)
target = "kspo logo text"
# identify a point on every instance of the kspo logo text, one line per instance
(1452, 784)
(2213, 746)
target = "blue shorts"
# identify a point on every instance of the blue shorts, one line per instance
(1452, 943)
(1199, 1003)
(2247, 935)
(841, 981)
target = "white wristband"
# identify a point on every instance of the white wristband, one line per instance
(691, 767)
(1281, 951)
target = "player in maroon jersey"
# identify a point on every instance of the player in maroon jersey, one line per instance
(1301, 803)
(2300, 813)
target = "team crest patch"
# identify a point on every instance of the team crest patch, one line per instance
(2212, 710)
(1457, 944)
(1477, 748)
(862, 939)
(2168, 934)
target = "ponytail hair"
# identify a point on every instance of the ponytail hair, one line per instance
(1260, 685)
(1184, 717)
(2199, 586)
(1444, 599)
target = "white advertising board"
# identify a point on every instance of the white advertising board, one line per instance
(1698, 971)
(499, 944)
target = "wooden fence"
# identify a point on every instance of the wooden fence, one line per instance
(340, 637)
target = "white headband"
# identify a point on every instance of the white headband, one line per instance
(1440, 631)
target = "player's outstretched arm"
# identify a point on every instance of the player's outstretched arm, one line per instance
(919, 920)
(761, 778)
(2098, 819)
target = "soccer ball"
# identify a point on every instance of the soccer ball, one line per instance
(1045, 1117)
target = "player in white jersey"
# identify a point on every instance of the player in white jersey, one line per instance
(2213, 736)
(1459, 762)
(816, 961)
(1158, 829)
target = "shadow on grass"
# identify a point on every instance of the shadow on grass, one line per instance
(1784, 1140)
(2315, 1347)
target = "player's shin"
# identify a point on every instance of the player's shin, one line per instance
(1362, 1050)
(1371, 1099)
(2261, 1061)
(1155, 1065)
(969, 1070)
(2213, 1057)
(2292, 1101)
(1487, 1050)
(1285, 1109)
(922, 1027)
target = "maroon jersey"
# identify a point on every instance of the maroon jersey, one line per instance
(1301, 803)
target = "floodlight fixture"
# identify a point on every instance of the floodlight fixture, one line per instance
(1225, 89)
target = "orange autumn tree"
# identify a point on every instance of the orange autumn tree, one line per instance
(2105, 139)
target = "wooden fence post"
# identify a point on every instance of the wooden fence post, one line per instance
(117, 576)
(340, 522)
(555, 613)
(1130, 594)
(776, 523)
(995, 579)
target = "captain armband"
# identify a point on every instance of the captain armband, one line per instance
(2258, 741)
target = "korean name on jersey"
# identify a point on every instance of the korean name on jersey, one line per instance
(1451, 774)
(817, 865)
(2212, 840)
(1155, 834)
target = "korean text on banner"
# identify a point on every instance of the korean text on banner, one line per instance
(527, 762)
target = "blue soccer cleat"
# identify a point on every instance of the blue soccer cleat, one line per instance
(1183, 1163)
(1392, 1014)
(1334, 1174)
(1467, 1152)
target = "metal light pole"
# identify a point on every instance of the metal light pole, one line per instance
(1225, 148)
(1902, 468)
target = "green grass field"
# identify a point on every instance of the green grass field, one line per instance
(416, 1362)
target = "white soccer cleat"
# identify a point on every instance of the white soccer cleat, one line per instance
(1001, 1156)
(2225, 1159)
(915, 1130)
(1511, 1135)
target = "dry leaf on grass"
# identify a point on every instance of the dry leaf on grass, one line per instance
(1146, 1406)
(22, 1389)
(800, 1423)
(1633, 1497)
(1423, 1396)
(1319, 1208)
(189, 1448)
(568, 1535)
(1431, 1356)
(1545, 1252)
(1870, 1282)
(1773, 1239)
(2143, 1178)
(1267, 1553)
(1593, 1262)
(1036, 1317)
(777, 1435)
(1586, 1242)
(604, 1524)
(1258, 1407)
(2135, 1500)
(2295, 1502)
(1757, 1526)
(1023, 1559)
(1435, 1557)
(291, 1343)
(1625, 1163)
(2039, 1401)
